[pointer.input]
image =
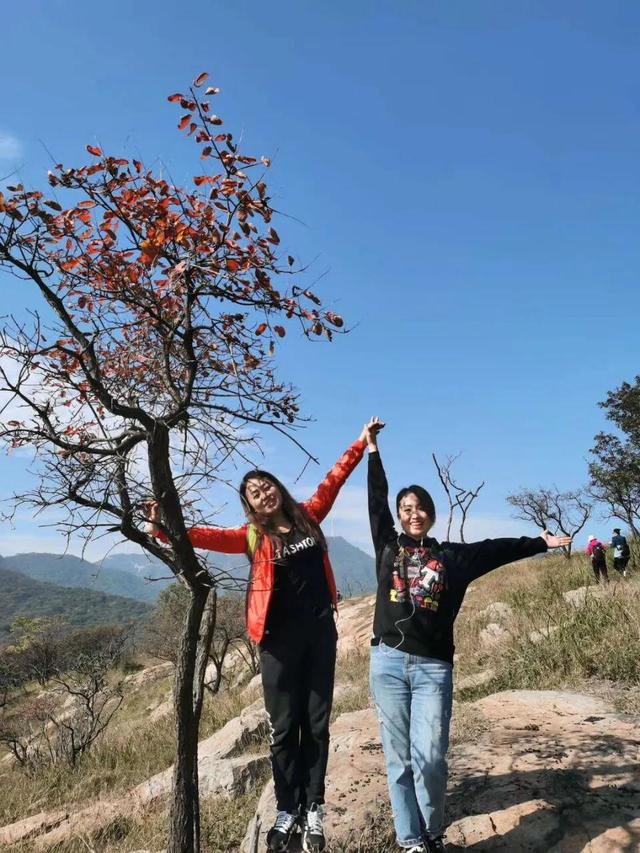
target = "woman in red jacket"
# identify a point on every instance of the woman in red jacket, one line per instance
(290, 603)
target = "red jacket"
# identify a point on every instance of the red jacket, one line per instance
(233, 540)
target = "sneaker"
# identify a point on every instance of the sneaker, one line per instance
(435, 845)
(417, 848)
(279, 835)
(312, 831)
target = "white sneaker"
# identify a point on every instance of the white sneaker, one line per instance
(279, 835)
(313, 840)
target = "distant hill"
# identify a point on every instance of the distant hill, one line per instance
(354, 569)
(128, 574)
(22, 596)
(67, 570)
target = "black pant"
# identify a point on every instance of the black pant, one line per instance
(298, 663)
(600, 568)
(620, 563)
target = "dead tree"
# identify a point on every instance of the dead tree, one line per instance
(459, 498)
(151, 360)
(561, 512)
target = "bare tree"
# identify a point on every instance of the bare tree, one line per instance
(150, 361)
(64, 725)
(561, 512)
(458, 497)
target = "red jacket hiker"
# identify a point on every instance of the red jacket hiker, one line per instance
(594, 544)
(243, 540)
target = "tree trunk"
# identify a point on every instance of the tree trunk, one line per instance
(184, 829)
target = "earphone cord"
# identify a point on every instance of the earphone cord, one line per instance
(396, 624)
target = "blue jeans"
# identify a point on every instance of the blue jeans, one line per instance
(413, 697)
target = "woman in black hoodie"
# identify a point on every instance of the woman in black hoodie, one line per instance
(421, 584)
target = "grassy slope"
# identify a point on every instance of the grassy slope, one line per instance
(600, 640)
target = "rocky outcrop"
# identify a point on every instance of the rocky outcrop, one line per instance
(225, 769)
(553, 772)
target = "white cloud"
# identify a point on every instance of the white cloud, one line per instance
(10, 147)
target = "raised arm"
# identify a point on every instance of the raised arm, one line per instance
(224, 540)
(320, 503)
(380, 518)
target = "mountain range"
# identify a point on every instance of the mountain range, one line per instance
(143, 577)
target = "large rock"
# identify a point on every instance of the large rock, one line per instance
(356, 784)
(354, 623)
(551, 772)
(223, 767)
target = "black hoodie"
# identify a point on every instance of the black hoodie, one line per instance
(421, 585)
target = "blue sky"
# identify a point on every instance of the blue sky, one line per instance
(466, 177)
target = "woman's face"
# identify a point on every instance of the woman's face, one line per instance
(415, 521)
(263, 496)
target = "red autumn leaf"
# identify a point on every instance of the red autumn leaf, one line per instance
(70, 264)
(206, 152)
(138, 166)
(273, 236)
(82, 302)
(221, 137)
(261, 328)
(53, 205)
(279, 330)
(175, 99)
(93, 150)
(214, 119)
(212, 90)
(86, 204)
(335, 319)
(184, 121)
(291, 260)
(266, 161)
(232, 266)
(201, 78)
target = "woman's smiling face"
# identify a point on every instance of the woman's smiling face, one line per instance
(415, 520)
(263, 496)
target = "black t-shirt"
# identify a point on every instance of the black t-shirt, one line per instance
(421, 585)
(300, 585)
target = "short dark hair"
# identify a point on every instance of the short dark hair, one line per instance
(424, 500)
(616, 530)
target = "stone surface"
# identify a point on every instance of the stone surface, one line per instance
(579, 596)
(354, 625)
(554, 772)
(498, 611)
(493, 634)
(479, 679)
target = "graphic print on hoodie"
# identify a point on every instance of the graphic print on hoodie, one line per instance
(416, 573)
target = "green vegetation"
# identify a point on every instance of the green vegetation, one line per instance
(22, 596)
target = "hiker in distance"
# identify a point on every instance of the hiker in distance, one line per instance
(421, 584)
(621, 552)
(597, 552)
(290, 604)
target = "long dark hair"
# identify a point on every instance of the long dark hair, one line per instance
(290, 507)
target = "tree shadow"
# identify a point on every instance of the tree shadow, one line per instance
(571, 811)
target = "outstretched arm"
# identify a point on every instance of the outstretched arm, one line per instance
(479, 558)
(225, 540)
